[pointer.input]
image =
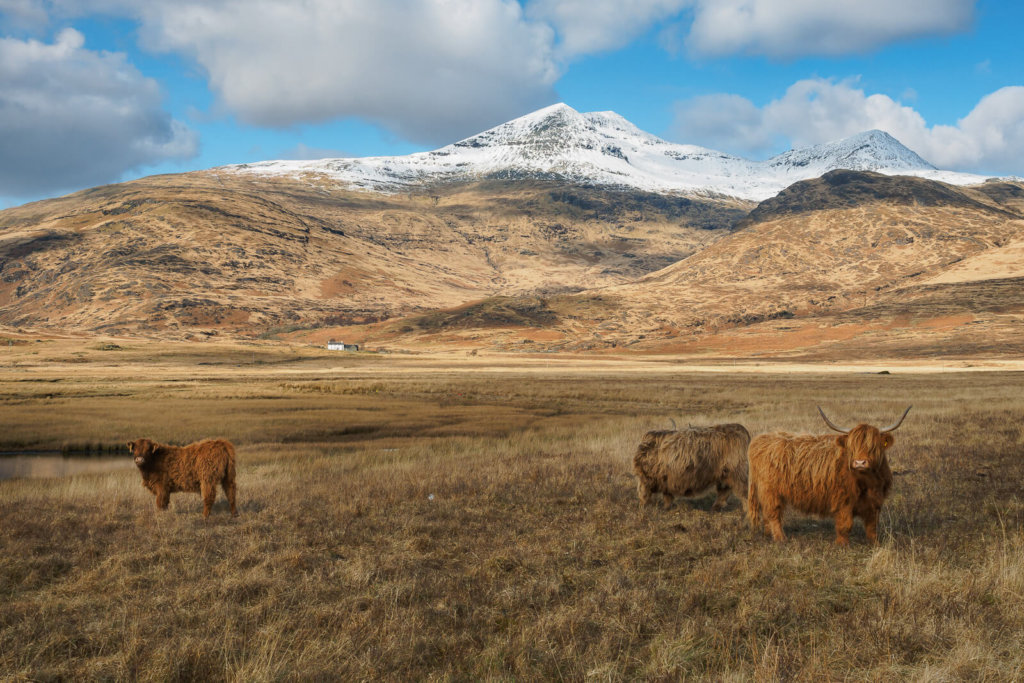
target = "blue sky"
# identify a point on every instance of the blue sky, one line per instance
(97, 91)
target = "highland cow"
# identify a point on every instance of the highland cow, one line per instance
(196, 468)
(690, 461)
(831, 476)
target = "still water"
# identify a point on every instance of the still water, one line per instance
(44, 465)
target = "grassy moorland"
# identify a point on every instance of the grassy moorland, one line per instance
(405, 520)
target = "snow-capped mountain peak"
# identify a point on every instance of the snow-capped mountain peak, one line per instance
(872, 150)
(603, 148)
(557, 139)
(555, 122)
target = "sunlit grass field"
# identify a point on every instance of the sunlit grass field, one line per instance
(403, 520)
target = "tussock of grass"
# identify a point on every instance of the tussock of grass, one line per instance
(486, 527)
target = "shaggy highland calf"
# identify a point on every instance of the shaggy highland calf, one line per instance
(196, 468)
(832, 476)
(690, 461)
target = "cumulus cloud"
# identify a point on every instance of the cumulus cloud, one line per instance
(992, 135)
(589, 26)
(989, 139)
(724, 122)
(428, 70)
(22, 15)
(435, 70)
(777, 28)
(792, 28)
(71, 117)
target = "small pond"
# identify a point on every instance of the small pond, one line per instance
(48, 464)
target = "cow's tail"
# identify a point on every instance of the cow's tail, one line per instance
(642, 455)
(227, 481)
(229, 468)
(753, 504)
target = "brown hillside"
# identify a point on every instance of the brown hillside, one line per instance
(843, 189)
(214, 252)
(852, 264)
(813, 271)
(880, 236)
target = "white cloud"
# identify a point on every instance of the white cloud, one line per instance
(990, 139)
(589, 26)
(71, 117)
(436, 70)
(791, 28)
(777, 28)
(429, 70)
(22, 15)
(724, 122)
(992, 135)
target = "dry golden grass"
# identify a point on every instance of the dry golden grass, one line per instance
(809, 265)
(461, 525)
(181, 255)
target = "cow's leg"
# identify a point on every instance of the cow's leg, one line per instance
(771, 506)
(738, 487)
(643, 491)
(844, 522)
(209, 493)
(163, 497)
(775, 525)
(871, 524)
(668, 499)
(723, 496)
(228, 485)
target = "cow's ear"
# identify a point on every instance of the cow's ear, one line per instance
(886, 440)
(131, 446)
(841, 441)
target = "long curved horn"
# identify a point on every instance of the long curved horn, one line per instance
(674, 428)
(893, 427)
(829, 422)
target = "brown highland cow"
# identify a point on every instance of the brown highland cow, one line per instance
(688, 462)
(196, 468)
(832, 476)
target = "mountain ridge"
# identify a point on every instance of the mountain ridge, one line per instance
(850, 254)
(180, 255)
(604, 148)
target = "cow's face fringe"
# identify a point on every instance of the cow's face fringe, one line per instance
(865, 447)
(142, 451)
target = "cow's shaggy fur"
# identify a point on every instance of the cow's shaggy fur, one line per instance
(841, 477)
(196, 468)
(690, 461)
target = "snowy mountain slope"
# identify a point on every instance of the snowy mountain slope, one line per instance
(602, 148)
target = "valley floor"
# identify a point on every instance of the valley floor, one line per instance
(405, 517)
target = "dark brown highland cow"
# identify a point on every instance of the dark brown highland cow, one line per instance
(196, 468)
(833, 476)
(687, 462)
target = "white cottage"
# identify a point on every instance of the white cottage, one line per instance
(341, 346)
